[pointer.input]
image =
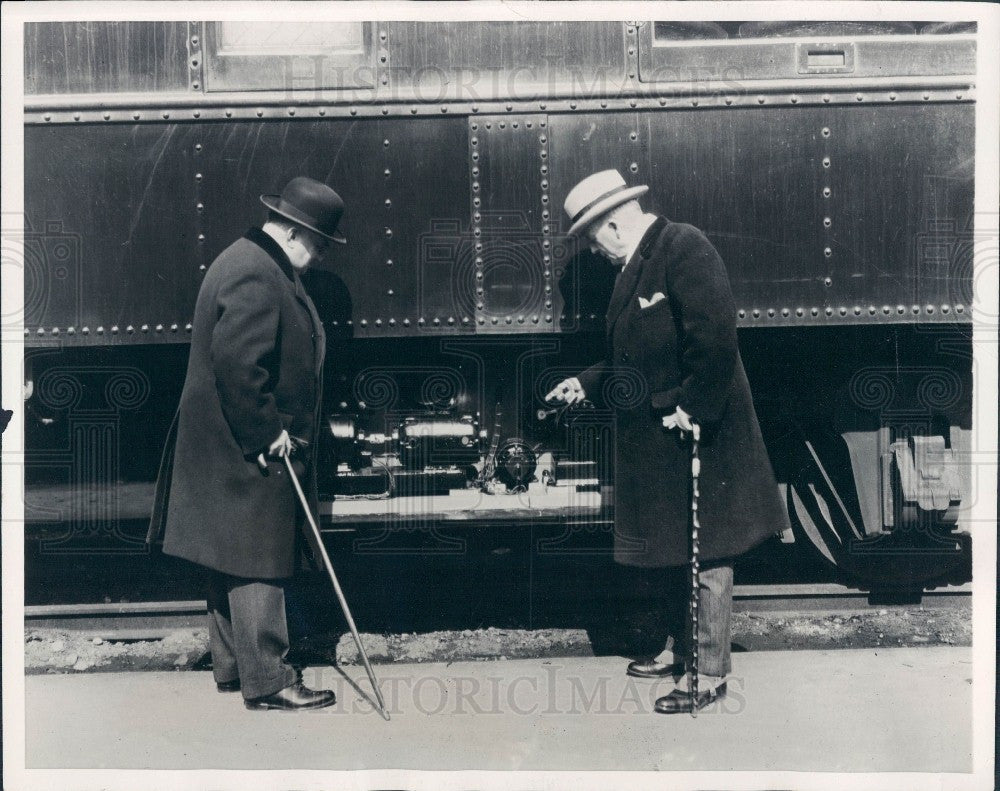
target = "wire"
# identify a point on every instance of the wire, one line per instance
(390, 488)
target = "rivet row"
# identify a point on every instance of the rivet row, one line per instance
(474, 175)
(572, 105)
(856, 310)
(194, 56)
(383, 57)
(100, 330)
(543, 154)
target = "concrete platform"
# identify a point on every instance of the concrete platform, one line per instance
(884, 710)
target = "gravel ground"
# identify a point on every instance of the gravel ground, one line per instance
(55, 651)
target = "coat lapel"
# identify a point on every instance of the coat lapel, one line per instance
(319, 336)
(161, 494)
(628, 279)
(625, 286)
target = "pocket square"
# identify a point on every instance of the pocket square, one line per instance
(648, 303)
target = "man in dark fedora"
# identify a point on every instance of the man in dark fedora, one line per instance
(251, 396)
(671, 341)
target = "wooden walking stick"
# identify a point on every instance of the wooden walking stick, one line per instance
(336, 585)
(693, 603)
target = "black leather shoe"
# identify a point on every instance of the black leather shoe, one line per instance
(293, 698)
(228, 686)
(650, 668)
(679, 701)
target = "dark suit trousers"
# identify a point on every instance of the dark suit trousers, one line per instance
(248, 634)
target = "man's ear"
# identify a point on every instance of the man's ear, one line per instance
(613, 225)
(292, 233)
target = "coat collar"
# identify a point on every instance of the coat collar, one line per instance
(267, 243)
(648, 241)
(643, 245)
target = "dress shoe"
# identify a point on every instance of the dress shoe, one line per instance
(293, 698)
(679, 701)
(650, 668)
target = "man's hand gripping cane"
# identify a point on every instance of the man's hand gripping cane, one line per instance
(679, 419)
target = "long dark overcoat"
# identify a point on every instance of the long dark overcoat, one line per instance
(255, 366)
(682, 350)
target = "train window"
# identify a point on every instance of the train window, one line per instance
(668, 33)
(839, 29)
(948, 28)
(288, 56)
(734, 51)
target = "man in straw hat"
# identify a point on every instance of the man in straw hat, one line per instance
(672, 359)
(253, 386)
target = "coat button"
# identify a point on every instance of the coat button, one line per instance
(625, 357)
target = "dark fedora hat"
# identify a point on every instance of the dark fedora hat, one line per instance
(311, 204)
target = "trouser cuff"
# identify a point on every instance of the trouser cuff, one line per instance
(259, 688)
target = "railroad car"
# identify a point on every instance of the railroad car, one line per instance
(830, 163)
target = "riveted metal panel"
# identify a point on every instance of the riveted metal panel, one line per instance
(901, 206)
(751, 183)
(110, 222)
(403, 182)
(581, 144)
(739, 60)
(762, 185)
(512, 224)
(93, 57)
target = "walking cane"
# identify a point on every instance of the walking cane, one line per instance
(336, 586)
(693, 603)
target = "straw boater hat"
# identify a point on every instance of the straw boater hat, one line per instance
(595, 196)
(311, 204)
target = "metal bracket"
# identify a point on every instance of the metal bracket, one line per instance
(928, 474)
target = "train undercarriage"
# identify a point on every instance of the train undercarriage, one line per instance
(875, 460)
